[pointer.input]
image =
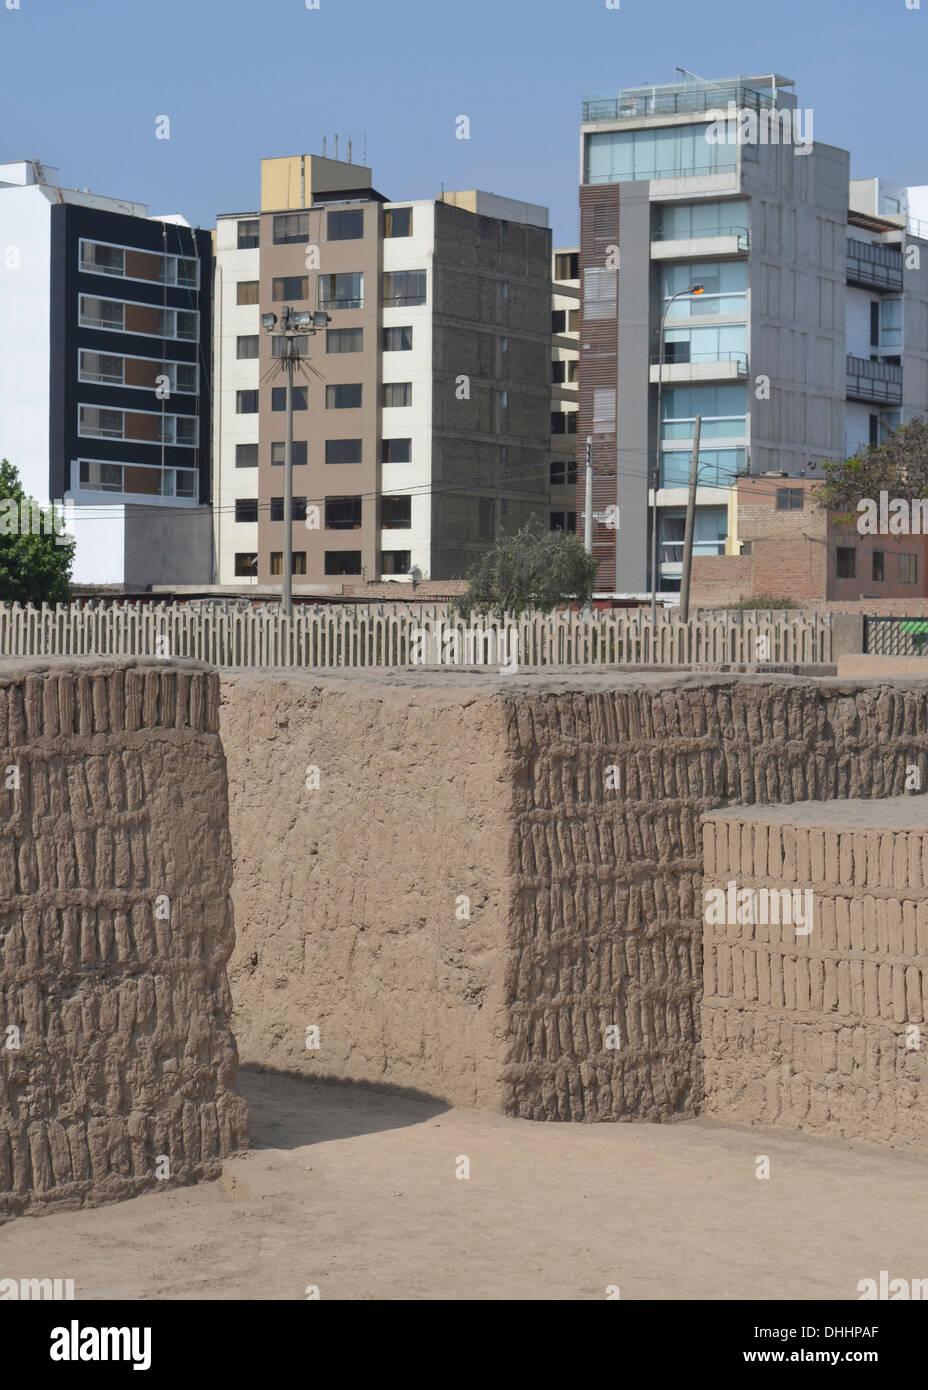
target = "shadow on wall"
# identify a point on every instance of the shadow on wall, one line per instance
(288, 1111)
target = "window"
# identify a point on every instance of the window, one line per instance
(279, 397)
(246, 509)
(344, 339)
(563, 472)
(101, 313)
(717, 467)
(246, 455)
(396, 451)
(297, 509)
(246, 345)
(396, 513)
(403, 287)
(504, 399)
(397, 222)
(878, 566)
(558, 320)
(728, 344)
(343, 451)
(345, 291)
(397, 339)
(603, 411)
(184, 376)
(564, 422)
(290, 287)
(874, 323)
(724, 284)
(100, 423)
(486, 518)
(890, 323)
(297, 562)
(347, 225)
(846, 562)
(343, 562)
(102, 260)
(103, 477)
(102, 367)
(573, 321)
(249, 233)
(789, 499)
(723, 410)
(346, 396)
(682, 221)
(246, 566)
(397, 393)
(246, 292)
(246, 402)
(567, 265)
(558, 372)
(395, 561)
(908, 569)
(290, 228)
(874, 429)
(342, 513)
(299, 454)
(655, 153)
(606, 222)
(600, 288)
(564, 521)
(300, 345)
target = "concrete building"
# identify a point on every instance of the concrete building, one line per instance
(799, 346)
(565, 362)
(104, 375)
(421, 422)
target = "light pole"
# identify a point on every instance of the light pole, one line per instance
(292, 327)
(693, 289)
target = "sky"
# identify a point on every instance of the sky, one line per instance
(83, 83)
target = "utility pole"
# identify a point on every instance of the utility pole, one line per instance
(588, 500)
(293, 326)
(690, 523)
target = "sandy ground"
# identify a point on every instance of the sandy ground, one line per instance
(354, 1191)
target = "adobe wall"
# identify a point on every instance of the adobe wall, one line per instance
(585, 898)
(115, 1046)
(818, 1023)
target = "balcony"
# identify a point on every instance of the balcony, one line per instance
(727, 241)
(874, 267)
(701, 367)
(879, 382)
(644, 103)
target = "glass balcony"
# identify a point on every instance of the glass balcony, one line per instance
(640, 103)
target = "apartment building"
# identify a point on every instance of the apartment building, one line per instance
(422, 413)
(104, 375)
(731, 271)
(565, 364)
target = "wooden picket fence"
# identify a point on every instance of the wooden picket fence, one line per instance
(347, 635)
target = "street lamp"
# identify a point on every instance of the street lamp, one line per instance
(692, 289)
(293, 325)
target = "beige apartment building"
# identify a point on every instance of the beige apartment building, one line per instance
(422, 412)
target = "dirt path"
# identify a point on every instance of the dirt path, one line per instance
(354, 1191)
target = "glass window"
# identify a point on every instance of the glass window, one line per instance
(344, 339)
(397, 222)
(342, 513)
(395, 561)
(717, 467)
(246, 455)
(396, 513)
(878, 566)
(246, 509)
(290, 227)
(728, 344)
(246, 292)
(278, 452)
(246, 402)
(846, 562)
(567, 265)
(681, 221)
(397, 339)
(346, 396)
(279, 397)
(290, 287)
(724, 288)
(102, 367)
(102, 260)
(723, 410)
(908, 569)
(789, 499)
(185, 377)
(246, 565)
(343, 451)
(404, 287)
(890, 323)
(343, 562)
(297, 508)
(101, 313)
(300, 345)
(558, 320)
(297, 562)
(397, 393)
(562, 472)
(246, 345)
(617, 156)
(345, 225)
(344, 291)
(396, 451)
(249, 233)
(100, 423)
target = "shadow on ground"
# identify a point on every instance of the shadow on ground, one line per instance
(288, 1110)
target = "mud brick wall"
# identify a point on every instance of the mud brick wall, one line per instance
(822, 1031)
(112, 793)
(585, 897)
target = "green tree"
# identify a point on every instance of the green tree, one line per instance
(898, 466)
(535, 569)
(33, 568)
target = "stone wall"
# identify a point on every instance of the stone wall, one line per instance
(117, 1064)
(818, 1023)
(584, 896)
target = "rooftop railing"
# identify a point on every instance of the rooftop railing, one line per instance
(639, 103)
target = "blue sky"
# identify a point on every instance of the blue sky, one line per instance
(83, 82)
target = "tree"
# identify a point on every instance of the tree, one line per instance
(898, 466)
(534, 569)
(34, 568)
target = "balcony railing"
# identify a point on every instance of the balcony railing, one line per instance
(637, 104)
(696, 358)
(874, 267)
(673, 550)
(874, 381)
(742, 233)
